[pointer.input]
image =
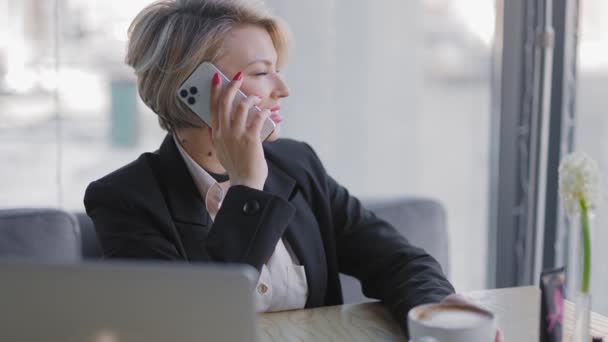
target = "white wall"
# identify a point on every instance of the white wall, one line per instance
(364, 96)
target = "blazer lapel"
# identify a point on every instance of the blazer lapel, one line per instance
(304, 239)
(278, 182)
(184, 200)
(304, 244)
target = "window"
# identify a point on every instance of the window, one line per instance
(592, 128)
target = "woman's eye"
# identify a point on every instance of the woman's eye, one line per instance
(261, 74)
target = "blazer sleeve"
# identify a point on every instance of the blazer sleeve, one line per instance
(389, 267)
(136, 226)
(248, 226)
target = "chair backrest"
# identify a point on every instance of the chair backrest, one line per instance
(39, 234)
(422, 221)
(90, 245)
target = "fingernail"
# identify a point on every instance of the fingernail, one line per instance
(216, 79)
(238, 76)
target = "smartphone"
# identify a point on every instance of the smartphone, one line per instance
(196, 90)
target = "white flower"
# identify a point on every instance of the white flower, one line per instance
(579, 179)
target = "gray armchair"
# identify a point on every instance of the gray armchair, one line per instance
(90, 245)
(422, 221)
(41, 234)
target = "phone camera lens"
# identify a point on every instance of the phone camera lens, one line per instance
(183, 93)
(193, 90)
(191, 100)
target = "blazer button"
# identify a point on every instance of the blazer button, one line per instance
(251, 207)
(262, 289)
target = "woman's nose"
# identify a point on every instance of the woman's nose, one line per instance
(281, 88)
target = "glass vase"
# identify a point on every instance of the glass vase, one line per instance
(581, 328)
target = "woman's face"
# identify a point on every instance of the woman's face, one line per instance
(249, 49)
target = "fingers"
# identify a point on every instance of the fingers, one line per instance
(226, 99)
(239, 119)
(499, 337)
(456, 298)
(235, 120)
(257, 122)
(216, 86)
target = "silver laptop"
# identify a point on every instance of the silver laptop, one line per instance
(112, 302)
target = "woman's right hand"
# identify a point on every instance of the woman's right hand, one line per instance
(235, 136)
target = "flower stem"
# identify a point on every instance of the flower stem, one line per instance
(586, 246)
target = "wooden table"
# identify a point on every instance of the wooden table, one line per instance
(517, 310)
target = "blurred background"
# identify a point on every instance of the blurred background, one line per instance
(395, 96)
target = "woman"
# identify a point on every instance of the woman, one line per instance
(218, 194)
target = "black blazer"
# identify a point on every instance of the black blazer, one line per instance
(151, 209)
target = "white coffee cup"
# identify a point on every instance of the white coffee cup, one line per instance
(451, 323)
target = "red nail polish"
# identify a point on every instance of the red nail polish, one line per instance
(216, 79)
(238, 76)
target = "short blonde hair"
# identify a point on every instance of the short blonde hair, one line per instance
(169, 38)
